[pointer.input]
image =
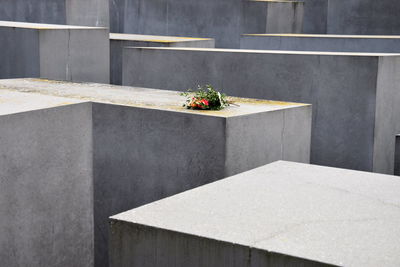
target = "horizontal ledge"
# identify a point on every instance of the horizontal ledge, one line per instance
(324, 36)
(42, 26)
(154, 38)
(283, 52)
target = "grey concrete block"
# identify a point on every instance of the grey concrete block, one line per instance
(143, 146)
(322, 42)
(274, 16)
(45, 182)
(281, 214)
(315, 16)
(118, 41)
(363, 17)
(52, 51)
(353, 94)
(222, 20)
(73, 12)
(352, 17)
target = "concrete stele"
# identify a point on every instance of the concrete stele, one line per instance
(356, 94)
(281, 214)
(72, 149)
(61, 52)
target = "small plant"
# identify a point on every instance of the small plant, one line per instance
(205, 98)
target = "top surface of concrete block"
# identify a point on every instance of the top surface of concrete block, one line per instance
(324, 36)
(42, 26)
(153, 38)
(133, 96)
(329, 215)
(222, 50)
(15, 102)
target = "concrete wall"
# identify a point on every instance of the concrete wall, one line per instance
(272, 17)
(339, 43)
(116, 47)
(88, 12)
(61, 54)
(19, 49)
(285, 17)
(222, 20)
(46, 199)
(74, 12)
(363, 17)
(315, 16)
(75, 55)
(352, 17)
(336, 84)
(43, 11)
(134, 245)
(153, 154)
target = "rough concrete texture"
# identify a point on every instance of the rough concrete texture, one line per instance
(75, 12)
(273, 16)
(133, 164)
(51, 51)
(120, 40)
(222, 20)
(337, 84)
(351, 17)
(281, 214)
(315, 16)
(363, 17)
(45, 181)
(322, 42)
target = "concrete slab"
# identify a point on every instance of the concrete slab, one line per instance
(281, 214)
(352, 93)
(140, 145)
(120, 40)
(322, 42)
(62, 52)
(222, 20)
(75, 12)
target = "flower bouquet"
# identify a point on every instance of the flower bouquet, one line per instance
(205, 98)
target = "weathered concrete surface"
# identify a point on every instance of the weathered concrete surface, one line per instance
(222, 20)
(353, 93)
(75, 12)
(118, 41)
(322, 42)
(363, 17)
(146, 146)
(60, 52)
(352, 17)
(315, 16)
(281, 214)
(45, 181)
